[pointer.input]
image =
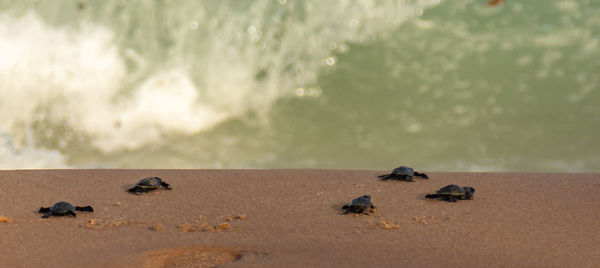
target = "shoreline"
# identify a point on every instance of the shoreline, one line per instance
(292, 218)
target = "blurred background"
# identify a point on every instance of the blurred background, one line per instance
(438, 85)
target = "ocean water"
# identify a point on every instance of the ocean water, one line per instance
(441, 85)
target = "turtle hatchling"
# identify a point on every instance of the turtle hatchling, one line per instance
(453, 192)
(63, 208)
(403, 173)
(149, 184)
(360, 205)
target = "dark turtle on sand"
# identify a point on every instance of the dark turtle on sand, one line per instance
(360, 205)
(63, 208)
(149, 184)
(453, 192)
(403, 173)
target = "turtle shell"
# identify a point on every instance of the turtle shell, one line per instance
(359, 205)
(451, 189)
(403, 171)
(62, 207)
(453, 192)
(454, 189)
(150, 182)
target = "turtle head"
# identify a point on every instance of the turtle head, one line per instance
(469, 192)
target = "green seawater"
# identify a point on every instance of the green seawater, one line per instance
(449, 85)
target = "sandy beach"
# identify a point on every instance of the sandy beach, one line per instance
(292, 218)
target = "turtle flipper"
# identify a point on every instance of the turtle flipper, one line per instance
(433, 196)
(451, 198)
(44, 210)
(165, 185)
(70, 213)
(443, 197)
(422, 175)
(47, 215)
(86, 208)
(466, 197)
(346, 209)
(138, 190)
(133, 189)
(385, 177)
(373, 209)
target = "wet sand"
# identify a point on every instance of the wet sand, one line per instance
(291, 218)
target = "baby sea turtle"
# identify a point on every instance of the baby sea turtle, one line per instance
(63, 208)
(360, 205)
(403, 173)
(149, 184)
(453, 192)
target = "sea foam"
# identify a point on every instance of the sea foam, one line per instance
(126, 75)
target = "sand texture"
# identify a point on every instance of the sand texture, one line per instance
(292, 218)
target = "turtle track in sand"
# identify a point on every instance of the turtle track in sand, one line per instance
(191, 256)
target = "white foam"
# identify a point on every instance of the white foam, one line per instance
(56, 75)
(62, 76)
(74, 78)
(28, 157)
